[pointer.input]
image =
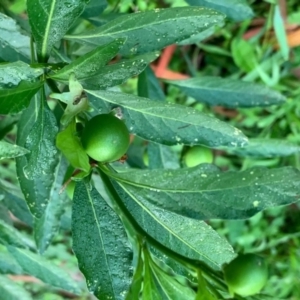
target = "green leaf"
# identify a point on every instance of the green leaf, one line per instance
(197, 38)
(94, 8)
(8, 150)
(47, 226)
(238, 10)
(243, 54)
(191, 238)
(69, 144)
(91, 63)
(228, 92)
(18, 207)
(13, 73)
(50, 20)
(204, 192)
(150, 290)
(41, 142)
(14, 45)
(42, 269)
(170, 286)
(100, 244)
(203, 290)
(280, 32)
(7, 124)
(12, 291)
(137, 280)
(13, 100)
(171, 124)
(37, 130)
(10, 236)
(149, 86)
(267, 148)
(152, 30)
(8, 264)
(115, 74)
(161, 156)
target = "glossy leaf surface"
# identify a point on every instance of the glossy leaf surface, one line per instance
(191, 238)
(228, 92)
(50, 20)
(237, 10)
(41, 268)
(153, 30)
(37, 130)
(171, 124)
(8, 150)
(47, 226)
(203, 192)
(13, 73)
(267, 148)
(13, 100)
(91, 63)
(117, 73)
(14, 45)
(100, 244)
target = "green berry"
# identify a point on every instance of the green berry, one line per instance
(246, 275)
(105, 138)
(198, 155)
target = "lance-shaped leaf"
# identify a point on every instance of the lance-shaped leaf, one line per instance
(8, 150)
(204, 192)
(36, 130)
(267, 148)
(170, 286)
(94, 8)
(100, 244)
(7, 124)
(191, 238)
(91, 63)
(172, 124)
(50, 20)
(14, 45)
(153, 30)
(12, 291)
(13, 100)
(118, 73)
(8, 264)
(18, 207)
(150, 289)
(228, 92)
(137, 280)
(47, 226)
(161, 156)
(41, 141)
(10, 236)
(237, 10)
(13, 73)
(149, 86)
(41, 268)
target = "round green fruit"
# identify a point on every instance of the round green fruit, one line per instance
(105, 138)
(246, 275)
(198, 155)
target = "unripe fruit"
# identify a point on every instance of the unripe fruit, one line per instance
(198, 155)
(105, 138)
(246, 275)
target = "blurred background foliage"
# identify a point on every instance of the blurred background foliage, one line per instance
(264, 49)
